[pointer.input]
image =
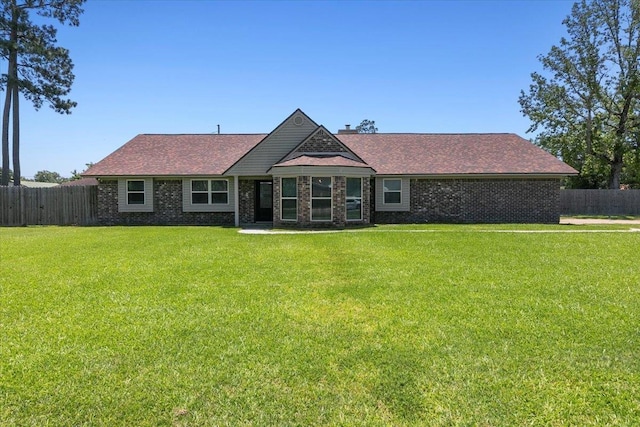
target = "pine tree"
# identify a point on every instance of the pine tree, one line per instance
(37, 68)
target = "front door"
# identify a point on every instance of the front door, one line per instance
(264, 201)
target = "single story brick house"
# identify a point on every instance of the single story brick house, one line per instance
(302, 175)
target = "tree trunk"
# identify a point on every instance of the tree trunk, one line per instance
(5, 138)
(15, 127)
(614, 176)
(11, 71)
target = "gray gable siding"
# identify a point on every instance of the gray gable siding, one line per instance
(275, 146)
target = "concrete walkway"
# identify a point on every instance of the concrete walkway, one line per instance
(590, 221)
(634, 227)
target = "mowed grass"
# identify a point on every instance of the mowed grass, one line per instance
(196, 326)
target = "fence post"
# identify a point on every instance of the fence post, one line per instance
(23, 208)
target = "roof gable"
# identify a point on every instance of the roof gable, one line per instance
(321, 142)
(274, 146)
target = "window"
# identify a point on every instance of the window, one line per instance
(321, 198)
(354, 199)
(135, 192)
(135, 195)
(289, 199)
(200, 192)
(392, 190)
(210, 192)
(219, 191)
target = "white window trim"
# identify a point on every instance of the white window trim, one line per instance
(384, 191)
(320, 198)
(347, 197)
(289, 198)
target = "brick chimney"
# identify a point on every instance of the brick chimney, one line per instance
(347, 129)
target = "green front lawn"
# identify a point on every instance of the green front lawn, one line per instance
(451, 325)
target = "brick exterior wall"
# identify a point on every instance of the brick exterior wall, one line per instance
(108, 203)
(339, 213)
(520, 201)
(479, 201)
(167, 208)
(444, 201)
(247, 201)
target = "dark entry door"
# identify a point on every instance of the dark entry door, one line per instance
(264, 201)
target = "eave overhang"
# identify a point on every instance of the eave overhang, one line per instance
(321, 170)
(497, 175)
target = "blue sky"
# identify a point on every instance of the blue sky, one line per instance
(186, 66)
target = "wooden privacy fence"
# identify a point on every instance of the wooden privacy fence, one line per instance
(599, 202)
(73, 205)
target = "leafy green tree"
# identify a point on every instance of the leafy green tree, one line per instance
(75, 175)
(36, 67)
(9, 173)
(48, 176)
(367, 126)
(586, 104)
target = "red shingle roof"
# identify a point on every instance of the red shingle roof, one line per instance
(175, 155)
(451, 154)
(387, 154)
(80, 182)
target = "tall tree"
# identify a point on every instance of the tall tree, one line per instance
(48, 176)
(586, 105)
(37, 68)
(75, 175)
(367, 126)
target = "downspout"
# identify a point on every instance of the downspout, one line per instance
(236, 199)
